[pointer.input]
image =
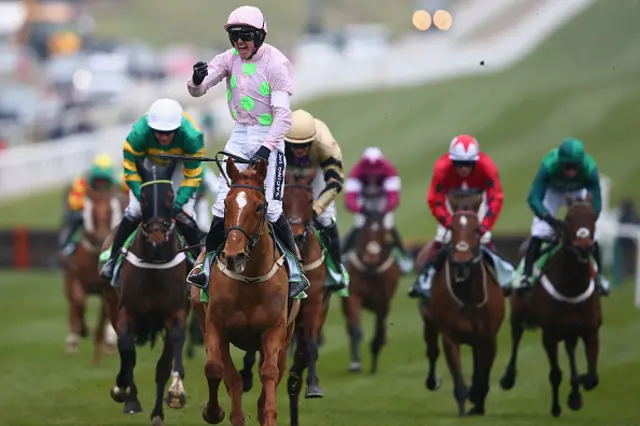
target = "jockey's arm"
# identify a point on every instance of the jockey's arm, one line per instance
(134, 148)
(353, 188)
(218, 70)
(437, 196)
(392, 185)
(192, 170)
(77, 194)
(330, 157)
(495, 195)
(538, 192)
(281, 85)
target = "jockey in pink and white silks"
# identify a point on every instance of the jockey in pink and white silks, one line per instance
(374, 185)
(259, 80)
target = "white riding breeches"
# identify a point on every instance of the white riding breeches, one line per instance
(329, 215)
(387, 221)
(134, 210)
(244, 142)
(553, 200)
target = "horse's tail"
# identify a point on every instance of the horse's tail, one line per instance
(148, 330)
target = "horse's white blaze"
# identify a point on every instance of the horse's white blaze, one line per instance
(241, 199)
(373, 248)
(462, 246)
(583, 233)
(463, 221)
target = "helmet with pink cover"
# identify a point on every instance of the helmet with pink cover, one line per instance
(248, 19)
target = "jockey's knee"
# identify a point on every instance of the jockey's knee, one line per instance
(387, 221)
(359, 220)
(274, 210)
(325, 219)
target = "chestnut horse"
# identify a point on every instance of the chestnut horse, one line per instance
(152, 297)
(375, 275)
(102, 212)
(248, 300)
(466, 307)
(564, 303)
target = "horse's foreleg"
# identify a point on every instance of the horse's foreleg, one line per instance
(163, 372)
(233, 382)
(74, 317)
(550, 342)
(125, 389)
(591, 346)
(430, 334)
(98, 338)
(294, 383)
(484, 354)
(176, 397)
(379, 339)
(273, 342)
(452, 353)
(351, 307)
(214, 372)
(248, 361)
(575, 399)
(508, 380)
(312, 326)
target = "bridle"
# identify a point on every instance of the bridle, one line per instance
(168, 226)
(253, 239)
(308, 228)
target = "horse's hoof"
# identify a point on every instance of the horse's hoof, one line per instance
(213, 420)
(132, 407)
(476, 411)
(575, 401)
(462, 413)
(72, 349)
(313, 392)
(119, 395)
(176, 400)
(589, 382)
(157, 421)
(508, 381)
(556, 410)
(433, 383)
(247, 381)
(355, 367)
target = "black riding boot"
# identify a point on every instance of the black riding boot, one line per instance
(126, 227)
(72, 221)
(215, 237)
(530, 258)
(398, 241)
(332, 238)
(436, 262)
(350, 240)
(285, 236)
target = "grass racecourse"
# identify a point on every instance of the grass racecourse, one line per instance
(583, 81)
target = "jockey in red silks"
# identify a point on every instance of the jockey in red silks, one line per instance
(374, 185)
(463, 167)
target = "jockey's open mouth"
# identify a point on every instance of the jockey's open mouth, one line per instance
(242, 47)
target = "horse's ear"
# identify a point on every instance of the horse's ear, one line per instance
(476, 202)
(166, 171)
(143, 171)
(454, 202)
(589, 197)
(261, 170)
(232, 170)
(568, 198)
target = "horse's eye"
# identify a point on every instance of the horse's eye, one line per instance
(260, 208)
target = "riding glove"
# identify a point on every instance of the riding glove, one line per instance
(261, 154)
(556, 224)
(200, 71)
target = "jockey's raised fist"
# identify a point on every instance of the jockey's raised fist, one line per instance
(200, 71)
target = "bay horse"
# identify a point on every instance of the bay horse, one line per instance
(466, 306)
(564, 304)
(101, 213)
(152, 296)
(375, 275)
(298, 208)
(248, 303)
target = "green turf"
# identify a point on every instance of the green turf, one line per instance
(43, 386)
(581, 82)
(200, 22)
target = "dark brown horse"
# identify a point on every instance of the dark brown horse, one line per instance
(466, 307)
(102, 212)
(152, 297)
(565, 305)
(298, 202)
(248, 300)
(374, 280)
